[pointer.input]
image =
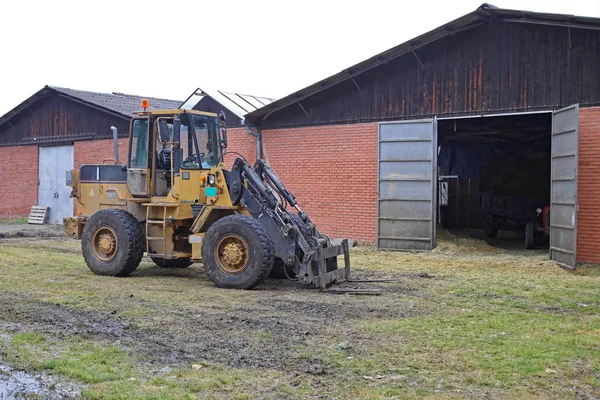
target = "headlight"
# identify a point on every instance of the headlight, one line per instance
(211, 179)
(539, 211)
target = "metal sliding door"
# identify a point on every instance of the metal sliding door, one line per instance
(407, 185)
(563, 190)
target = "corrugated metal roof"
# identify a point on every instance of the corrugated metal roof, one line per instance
(238, 104)
(121, 103)
(481, 15)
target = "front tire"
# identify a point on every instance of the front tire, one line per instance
(237, 252)
(112, 243)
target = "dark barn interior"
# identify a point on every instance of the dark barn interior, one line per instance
(496, 171)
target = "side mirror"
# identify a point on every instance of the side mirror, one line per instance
(176, 153)
(163, 130)
(222, 129)
(223, 133)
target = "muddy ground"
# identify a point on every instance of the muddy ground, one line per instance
(169, 319)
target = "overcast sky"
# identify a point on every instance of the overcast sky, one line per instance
(168, 48)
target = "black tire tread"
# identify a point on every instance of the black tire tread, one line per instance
(135, 234)
(491, 227)
(529, 236)
(266, 264)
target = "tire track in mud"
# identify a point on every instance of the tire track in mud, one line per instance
(269, 332)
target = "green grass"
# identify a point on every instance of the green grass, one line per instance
(490, 323)
(14, 221)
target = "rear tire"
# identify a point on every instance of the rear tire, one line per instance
(491, 227)
(237, 252)
(529, 236)
(112, 243)
(172, 263)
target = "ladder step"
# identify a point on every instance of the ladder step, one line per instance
(158, 222)
(155, 238)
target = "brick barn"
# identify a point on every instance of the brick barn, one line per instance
(386, 149)
(56, 130)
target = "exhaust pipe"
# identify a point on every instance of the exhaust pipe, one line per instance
(115, 144)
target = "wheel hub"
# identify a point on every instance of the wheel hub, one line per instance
(104, 244)
(232, 254)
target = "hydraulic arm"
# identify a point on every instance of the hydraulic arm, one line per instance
(296, 240)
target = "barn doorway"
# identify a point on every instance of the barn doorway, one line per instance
(511, 179)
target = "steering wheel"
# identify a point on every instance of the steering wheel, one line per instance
(192, 161)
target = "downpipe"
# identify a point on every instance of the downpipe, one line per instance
(258, 136)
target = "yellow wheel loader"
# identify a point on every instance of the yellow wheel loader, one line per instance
(176, 202)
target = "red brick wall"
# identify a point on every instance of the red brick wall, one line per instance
(99, 151)
(18, 180)
(332, 171)
(19, 175)
(242, 142)
(588, 229)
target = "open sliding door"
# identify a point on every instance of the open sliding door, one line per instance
(563, 191)
(407, 174)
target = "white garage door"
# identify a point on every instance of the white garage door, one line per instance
(54, 162)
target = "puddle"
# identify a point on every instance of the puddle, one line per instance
(15, 384)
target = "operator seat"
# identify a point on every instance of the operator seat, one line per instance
(164, 160)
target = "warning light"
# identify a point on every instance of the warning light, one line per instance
(202, 178)
(145, 104)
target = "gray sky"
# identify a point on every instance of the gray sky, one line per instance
(168, 48)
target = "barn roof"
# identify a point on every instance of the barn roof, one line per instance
(481, 15)
(120, 104)
(238, 104)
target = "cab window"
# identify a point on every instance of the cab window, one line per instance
(139, 144)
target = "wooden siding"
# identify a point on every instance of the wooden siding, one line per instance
(55, 118)
(496, 67)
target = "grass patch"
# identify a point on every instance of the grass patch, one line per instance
(92, 364)
(14, 221)
(466, 320)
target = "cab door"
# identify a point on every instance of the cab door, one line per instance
(139, 158)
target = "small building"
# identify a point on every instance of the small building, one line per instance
(56, 130)
(365, 150)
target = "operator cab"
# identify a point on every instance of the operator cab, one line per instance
(158, 152)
